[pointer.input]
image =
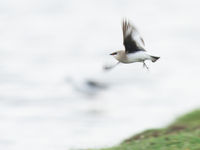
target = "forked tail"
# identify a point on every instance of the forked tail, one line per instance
(154, 58)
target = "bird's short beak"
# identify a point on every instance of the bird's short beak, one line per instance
(114, 53)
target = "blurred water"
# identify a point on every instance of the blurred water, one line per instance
(51, 50)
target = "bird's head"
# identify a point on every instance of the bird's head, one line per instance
(115, 54)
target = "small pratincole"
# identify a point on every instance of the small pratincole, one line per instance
(134, 47)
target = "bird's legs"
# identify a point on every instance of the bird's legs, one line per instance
(145, 66)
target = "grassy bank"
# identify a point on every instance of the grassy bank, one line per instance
(183, 134)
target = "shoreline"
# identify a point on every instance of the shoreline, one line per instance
(182, 134)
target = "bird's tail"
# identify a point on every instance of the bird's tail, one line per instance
(154, 58)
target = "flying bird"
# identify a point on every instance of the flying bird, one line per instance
(134, 47)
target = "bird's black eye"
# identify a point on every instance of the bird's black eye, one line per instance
(115, 53)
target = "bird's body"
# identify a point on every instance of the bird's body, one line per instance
(134, 47)
(139, 56)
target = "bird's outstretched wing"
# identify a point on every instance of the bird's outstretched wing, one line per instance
(132, 40)
(109, 67)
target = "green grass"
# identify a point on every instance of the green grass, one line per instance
(183, 134)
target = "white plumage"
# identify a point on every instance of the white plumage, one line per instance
(139, 56)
